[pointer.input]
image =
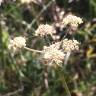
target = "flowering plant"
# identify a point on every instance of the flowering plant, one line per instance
(56, 52)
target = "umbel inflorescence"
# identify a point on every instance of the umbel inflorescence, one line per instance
(17, 43)
(56, 51)
(70, 45)
(45, 29)
(53, 53)
(72, 20)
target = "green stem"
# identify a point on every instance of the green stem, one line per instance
(66, 86)
(64, 83)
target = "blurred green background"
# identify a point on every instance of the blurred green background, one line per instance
(23, 74)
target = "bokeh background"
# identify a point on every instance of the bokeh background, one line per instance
(23, 74)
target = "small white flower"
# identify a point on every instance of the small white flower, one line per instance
(17, 43)
(45, 30)
(72, 20)
(70, 45)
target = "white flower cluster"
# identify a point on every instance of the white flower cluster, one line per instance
(53, 54)
(1, 1)
(44, 30)
(26, 1)
(17, 43)
(72, 20)
(70, 45)
(56, 52)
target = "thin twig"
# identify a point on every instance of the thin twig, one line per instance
(32, 50)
